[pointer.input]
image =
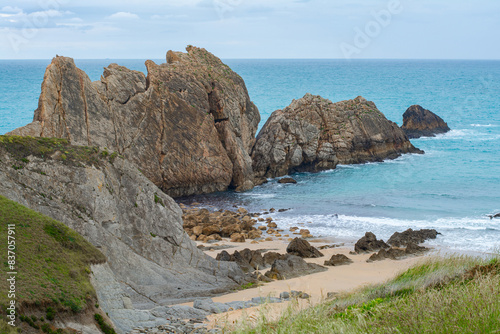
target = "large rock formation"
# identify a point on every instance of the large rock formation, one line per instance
(314, 134)
(151, 260)
(419, 122)
(189, 125)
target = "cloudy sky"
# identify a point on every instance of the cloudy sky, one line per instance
(416, 29)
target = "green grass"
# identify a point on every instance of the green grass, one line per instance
(440, 295)
(52, 262)
(7, 329)
(105, 328)
(53, 148)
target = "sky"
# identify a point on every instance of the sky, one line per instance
(147, 29)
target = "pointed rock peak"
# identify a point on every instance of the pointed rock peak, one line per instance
(419, 122)
(361, 99)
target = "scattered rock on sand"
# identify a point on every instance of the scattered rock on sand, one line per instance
(397, 253)
(302, 248)
(207, 225)
(338, 260)
(247, 259)
(237, 237)
(411, 236)
(270, 257)
(369, 243)
(292, 266)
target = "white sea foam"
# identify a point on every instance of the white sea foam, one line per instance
(484, 125)
(473, 233)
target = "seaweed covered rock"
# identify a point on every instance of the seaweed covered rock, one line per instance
(419, 122)
(314, 134)
(189, 125)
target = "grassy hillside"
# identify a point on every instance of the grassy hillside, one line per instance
(52, 262)
(453, 295)
(53, 148)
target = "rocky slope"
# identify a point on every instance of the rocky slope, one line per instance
(151, 260)
(314, 134)
(189, 124)
(419, 122)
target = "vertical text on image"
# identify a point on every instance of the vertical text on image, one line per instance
(11, 274)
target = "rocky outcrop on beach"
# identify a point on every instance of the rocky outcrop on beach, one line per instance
(292, 266)
(397, 253)
(314, 134)
(419, 122)
(150, 259)
(369, 243)
(248, 260)
(411, 236)
(302, 248)
(189, 125)
(338, 260)
(206, 226)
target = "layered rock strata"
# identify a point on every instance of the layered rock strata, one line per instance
(189, 125)
(151, 260)
(314, 134)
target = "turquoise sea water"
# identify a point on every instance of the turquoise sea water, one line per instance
(451, 188)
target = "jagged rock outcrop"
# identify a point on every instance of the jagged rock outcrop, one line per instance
(419, 122)
(189, 125)
(151, 260)
(369, 243)
(302, 248)
(338, 260)
(411, 236)
(314, 134)
(398, 253)
(291, 266)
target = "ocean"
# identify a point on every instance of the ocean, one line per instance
(451, 188)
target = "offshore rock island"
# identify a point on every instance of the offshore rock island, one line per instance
(190, 126)
(106, 159)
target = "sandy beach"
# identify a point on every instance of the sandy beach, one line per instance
(337, 279)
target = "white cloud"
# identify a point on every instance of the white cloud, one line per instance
(9, 9)
(123, 16)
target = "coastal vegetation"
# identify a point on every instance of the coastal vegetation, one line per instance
(456, 294)
(52, 264)
(21, 148)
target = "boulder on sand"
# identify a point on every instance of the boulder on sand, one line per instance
(338, 260)
(292, 266)
(369, 243)
(302, 248)
(411, 236)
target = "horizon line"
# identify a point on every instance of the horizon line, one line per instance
(222, 58)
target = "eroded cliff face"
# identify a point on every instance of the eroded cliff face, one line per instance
(189, 125)
(151, 260)
(419, 122)
(314, 134)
